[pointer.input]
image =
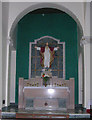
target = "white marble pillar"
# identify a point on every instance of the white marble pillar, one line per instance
(0, 56)
(12, 76)
(8, 62)
(7, 82)
(91, 74)
(85, 42)
(81, 75)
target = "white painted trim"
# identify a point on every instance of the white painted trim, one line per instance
(35, 42)
(47, 37)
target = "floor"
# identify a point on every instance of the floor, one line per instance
(12, 111)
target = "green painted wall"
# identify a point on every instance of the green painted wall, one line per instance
(60, 26)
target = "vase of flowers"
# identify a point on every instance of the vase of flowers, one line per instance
(45, 79)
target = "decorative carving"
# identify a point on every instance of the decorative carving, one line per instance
(10, 41)
(85, 40)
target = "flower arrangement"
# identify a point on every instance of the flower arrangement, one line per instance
(45, 78)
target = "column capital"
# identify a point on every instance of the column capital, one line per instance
(10, 41)
(85, 40)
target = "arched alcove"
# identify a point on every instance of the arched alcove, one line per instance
(50, 6)
(12, 29)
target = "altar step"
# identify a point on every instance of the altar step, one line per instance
(26, 115)
(42, 115)
(12, 112)
(14, 115)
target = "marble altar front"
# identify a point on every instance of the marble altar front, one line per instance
(51, 98)
(58, 95)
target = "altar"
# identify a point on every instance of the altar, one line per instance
(46, 88)
(46, 93)
(51, 97)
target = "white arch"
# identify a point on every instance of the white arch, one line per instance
(43, 5)
(34, 6)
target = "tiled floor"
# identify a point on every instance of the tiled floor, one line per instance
(12, 111)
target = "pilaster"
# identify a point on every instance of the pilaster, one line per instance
(85, 43)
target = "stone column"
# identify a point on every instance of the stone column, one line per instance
(0, 56)
(85, 42)
(8, 62)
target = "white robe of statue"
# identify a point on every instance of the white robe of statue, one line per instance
(47, 56)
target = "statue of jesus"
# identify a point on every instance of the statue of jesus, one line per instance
(47, 55)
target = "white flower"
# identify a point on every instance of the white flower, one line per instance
(46, 75)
